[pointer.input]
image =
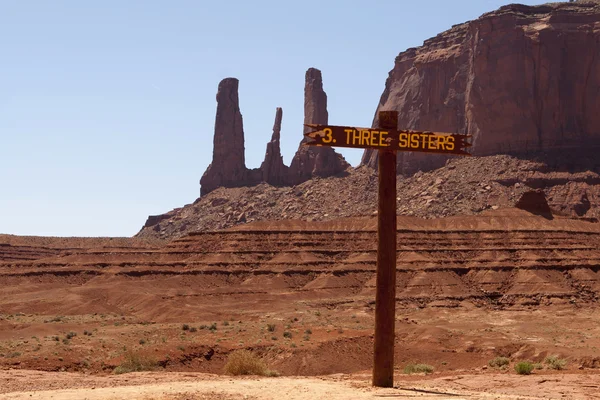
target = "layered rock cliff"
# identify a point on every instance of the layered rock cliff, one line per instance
(520, 80)
(228, 167)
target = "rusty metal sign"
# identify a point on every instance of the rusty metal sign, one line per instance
(387, 139)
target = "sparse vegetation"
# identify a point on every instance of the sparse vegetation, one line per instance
(553, 362)
(245, 362)
(524, 368)
(308, 332)
(499, 362)
(287, 335)
(193, 329)
(213, 327)
(225, 323)
(271, 327)
(185, 327)
(135, 362)
(71, 335)
(418, 369)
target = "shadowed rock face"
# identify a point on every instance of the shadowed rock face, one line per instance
(520, 80)
(315, 161)
(535, 202)
(228, 167)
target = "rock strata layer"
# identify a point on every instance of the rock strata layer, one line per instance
(520, 80)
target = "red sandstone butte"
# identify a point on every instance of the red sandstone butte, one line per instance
(520, 80)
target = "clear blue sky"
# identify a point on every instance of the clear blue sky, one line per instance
(107, 107)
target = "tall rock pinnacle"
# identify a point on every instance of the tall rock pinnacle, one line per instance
(315, 161)
(274, 171)
(228, 165)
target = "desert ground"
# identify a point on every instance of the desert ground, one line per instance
(74, 312)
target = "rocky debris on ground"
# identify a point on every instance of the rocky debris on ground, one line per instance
(465, 186)
(228, 166)
(520, 80)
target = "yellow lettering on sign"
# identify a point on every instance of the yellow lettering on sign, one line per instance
(356, 137)
(348, 132)
(403, 140)
(414, 141)
(441, 144)
(374, 135)
(328, 138)
(432, 142)
(423, 139)
(365, 136)
(450, 143)
(381, 139)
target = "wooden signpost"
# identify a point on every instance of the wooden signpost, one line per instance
(387, 139)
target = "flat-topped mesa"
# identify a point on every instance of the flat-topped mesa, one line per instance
(521, 80)
(273, 170)
(228, 167)
(310, 161)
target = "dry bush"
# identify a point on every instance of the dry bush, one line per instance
(499, 362)
(135, 362)
(245, 362)
(524, 368)
(554, 362)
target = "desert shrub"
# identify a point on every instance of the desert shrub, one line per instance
(499, 362)
(193, 329)
(245, 362)
(213, 327)
(553, 362)
(185, 327)
(308, 331)
(524, 368)
(142, 341)
(135, 362)
(225, 323)
(287, 334)
(538, 366)
(70, 335)
(271, 327)
(418, 368)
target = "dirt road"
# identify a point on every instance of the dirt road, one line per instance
(25, 384)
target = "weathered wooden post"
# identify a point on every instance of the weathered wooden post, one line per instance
(387, 139)
(385, 290)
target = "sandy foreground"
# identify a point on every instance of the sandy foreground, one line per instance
(26, 384)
